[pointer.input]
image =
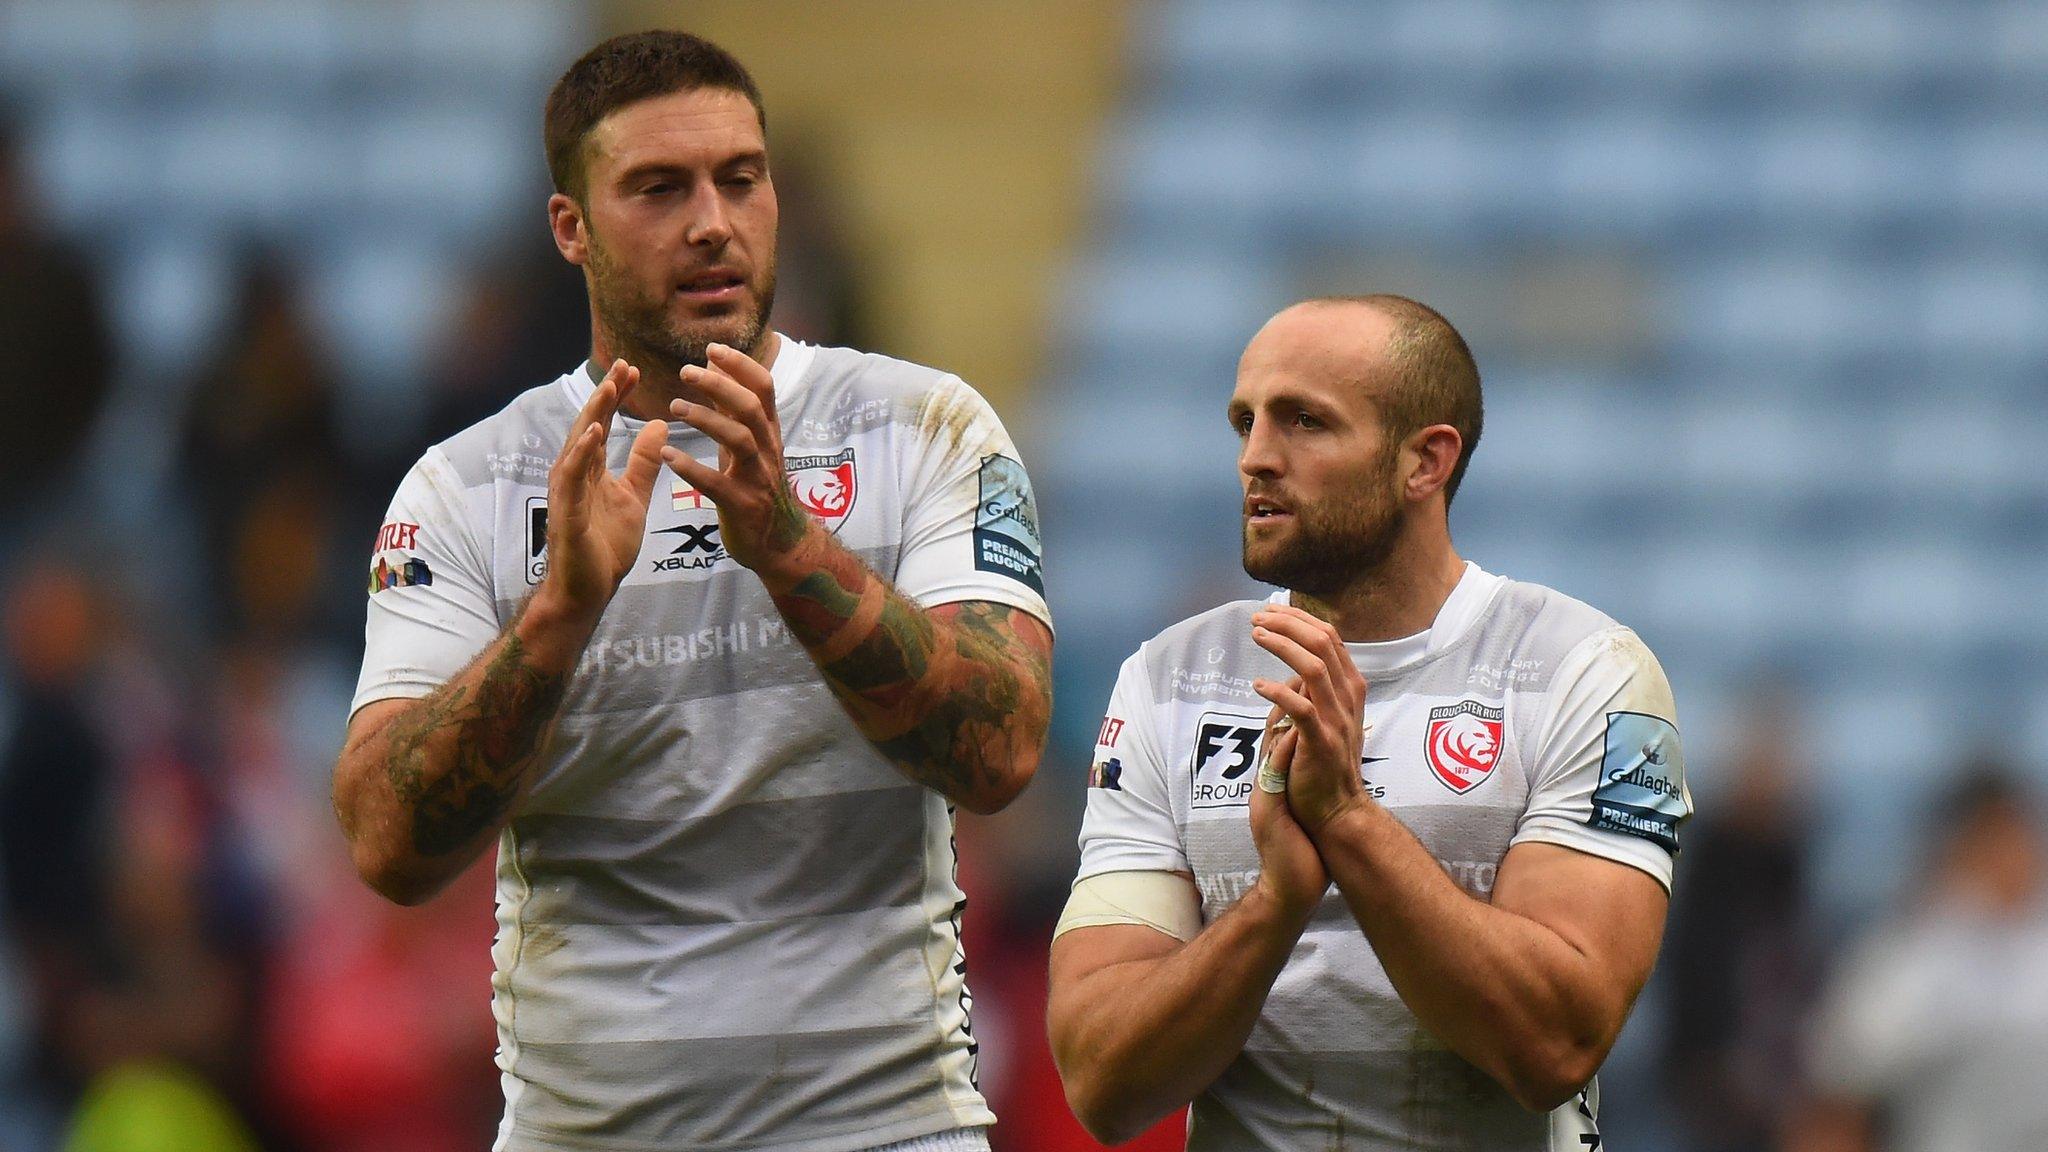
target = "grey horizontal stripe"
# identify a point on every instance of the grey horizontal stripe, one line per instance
(1420, 1099)
(667, 643)
(767, 860)
(735, 1093)
(676, 762)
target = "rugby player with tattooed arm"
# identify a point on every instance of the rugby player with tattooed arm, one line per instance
(708, 637)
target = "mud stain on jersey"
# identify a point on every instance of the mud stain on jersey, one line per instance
(542, 941)
(950, 421)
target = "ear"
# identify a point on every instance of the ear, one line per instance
(565, 219)
(1431, 454)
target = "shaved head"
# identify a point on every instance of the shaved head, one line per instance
(1431, 377)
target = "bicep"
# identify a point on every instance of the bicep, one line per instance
(1118, 917)
(1610, 913)
(1009, 631)
(359, 759)
(368, 721)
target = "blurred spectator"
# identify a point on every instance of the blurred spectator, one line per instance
(1742, 958)
(379, 1030)
(818, 298)
(261, 415)
(1934, 1031)
(523, 319)
(56, 358)
(55, 778)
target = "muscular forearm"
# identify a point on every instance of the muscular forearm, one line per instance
(1137, 1039)
(1506, 993)
(421, 793)
(958, 697)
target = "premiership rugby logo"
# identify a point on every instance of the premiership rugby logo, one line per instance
(1463, 744)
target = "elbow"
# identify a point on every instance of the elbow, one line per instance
(1105, 1108)
(1103, 1112)
(390, 877)
(1002, 783)
(1552, 1075)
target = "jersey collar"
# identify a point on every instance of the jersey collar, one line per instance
(792, 364)
(1462, 609)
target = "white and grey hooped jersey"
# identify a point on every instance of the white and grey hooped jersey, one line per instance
(1521, 715)
(724, 920)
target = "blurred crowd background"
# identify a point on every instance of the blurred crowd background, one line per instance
(1758, 288)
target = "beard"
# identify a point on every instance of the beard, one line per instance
(1335, 542)
(645, 332)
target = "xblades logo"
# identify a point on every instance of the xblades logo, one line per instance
(696, 538)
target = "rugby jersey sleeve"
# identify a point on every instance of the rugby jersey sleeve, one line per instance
(1128, 825)
(970, 524)
(1609, 776)
(431, 609)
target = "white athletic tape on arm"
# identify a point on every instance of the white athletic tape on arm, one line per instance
(1162, 901)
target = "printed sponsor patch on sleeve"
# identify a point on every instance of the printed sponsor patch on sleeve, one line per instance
(1006, 524)
(395, 570)
(1642, 780)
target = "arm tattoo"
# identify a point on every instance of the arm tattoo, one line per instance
(952, 702)
(497, 723)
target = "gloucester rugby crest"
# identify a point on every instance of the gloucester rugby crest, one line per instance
(1463, 744)
(824, 485)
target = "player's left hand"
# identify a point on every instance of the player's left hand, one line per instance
(758, 519)
(1290, 868)
(1327, 708)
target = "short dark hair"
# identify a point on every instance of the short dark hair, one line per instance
(1439, 380)
(624, 70)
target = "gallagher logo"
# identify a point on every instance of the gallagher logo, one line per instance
(824, 485)
(1463, 744)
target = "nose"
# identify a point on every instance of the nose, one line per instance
(1258, 454)
(710, 226)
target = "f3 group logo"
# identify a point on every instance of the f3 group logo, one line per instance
(1226, 748)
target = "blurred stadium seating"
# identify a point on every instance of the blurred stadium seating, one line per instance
(1757, 289)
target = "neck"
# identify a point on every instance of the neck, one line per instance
(1398, 598)
(661, 376)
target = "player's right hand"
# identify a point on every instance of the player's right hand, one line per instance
(1290, 868)
(596, 519)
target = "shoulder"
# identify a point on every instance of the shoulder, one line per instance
(939, 405)
(1549, 615)
(871, 375)
(1206, 641)
(518, 442)
(1541, 623)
